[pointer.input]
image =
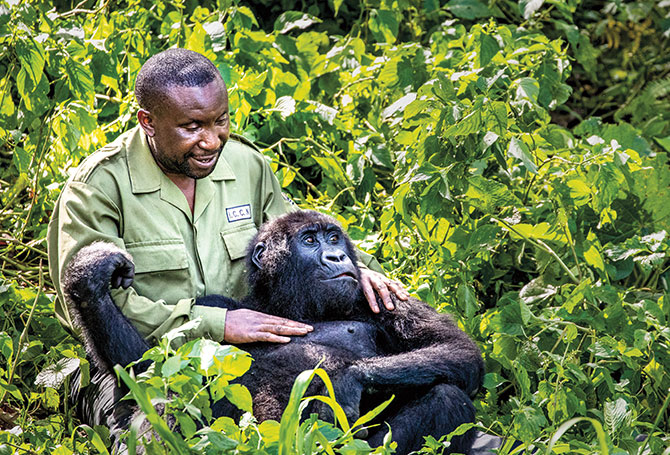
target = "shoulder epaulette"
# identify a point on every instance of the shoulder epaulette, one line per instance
(244, 140)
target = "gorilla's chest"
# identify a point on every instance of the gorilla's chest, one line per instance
(332, 344)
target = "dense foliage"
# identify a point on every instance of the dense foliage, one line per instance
(507, 160)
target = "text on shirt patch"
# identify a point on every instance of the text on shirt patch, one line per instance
(238, 213)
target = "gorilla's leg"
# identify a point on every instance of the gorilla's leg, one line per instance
(110, 337)
(436, 413)
(100, 403)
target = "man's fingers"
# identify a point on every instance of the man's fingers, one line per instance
(246, 326)
(270, 337)
(287, 324)
(370, 295)
(281, 329)
(398, 289)
(383, 291)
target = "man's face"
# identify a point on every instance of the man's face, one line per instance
(189, 129)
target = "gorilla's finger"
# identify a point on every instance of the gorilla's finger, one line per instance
(126, 282)
(361, 433)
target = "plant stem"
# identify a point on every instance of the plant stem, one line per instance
(23, 336)
(543, 246)
(656, 422)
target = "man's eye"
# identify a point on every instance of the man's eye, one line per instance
(222, 120)
(192, 127)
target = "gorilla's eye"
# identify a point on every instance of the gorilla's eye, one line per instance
(334, 238)
(309, 239)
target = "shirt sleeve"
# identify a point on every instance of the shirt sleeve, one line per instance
(85, 214)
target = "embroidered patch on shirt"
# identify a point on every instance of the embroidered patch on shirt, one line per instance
(238, 213)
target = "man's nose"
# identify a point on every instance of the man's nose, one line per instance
(210, 140)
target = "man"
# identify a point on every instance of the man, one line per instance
(183, 199)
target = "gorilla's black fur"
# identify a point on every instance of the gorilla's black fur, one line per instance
(302, 266)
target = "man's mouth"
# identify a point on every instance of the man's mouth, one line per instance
(205, 161)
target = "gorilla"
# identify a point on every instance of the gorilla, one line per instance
(302, 266)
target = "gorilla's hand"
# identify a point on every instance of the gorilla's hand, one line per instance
(348, 392)
(247, 326)
(374, 283)
(124, 271)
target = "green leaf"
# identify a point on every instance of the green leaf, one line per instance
(173, 365)
(468, 9)
(291, 20)
(383, 25)
(488, 48)
(31, 55)
(336, 6)
(94, 438)
(664, 142)
(527, 89)
(529, 7)
(7, 108)
(592, 253)
(519, 151)
(80, 80)
(217, 33)
(6, 346)
(467, 299)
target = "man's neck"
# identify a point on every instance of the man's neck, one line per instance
(186, 185)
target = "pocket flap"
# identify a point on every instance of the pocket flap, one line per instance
(237, 240)
(154, 257)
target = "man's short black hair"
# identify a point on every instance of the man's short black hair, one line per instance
(172, 68)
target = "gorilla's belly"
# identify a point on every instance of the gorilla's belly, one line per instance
(352, 336)
(335, 344)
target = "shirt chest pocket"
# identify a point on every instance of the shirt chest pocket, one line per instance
(161, 270)
(237, 240)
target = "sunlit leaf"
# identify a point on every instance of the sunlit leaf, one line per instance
(291, 20)
(519, 151)
(55, 374)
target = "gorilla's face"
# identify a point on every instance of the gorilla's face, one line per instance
(303, 266)
(321, 252)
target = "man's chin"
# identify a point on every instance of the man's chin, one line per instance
(199, 171)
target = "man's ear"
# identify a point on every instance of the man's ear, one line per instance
(146, 121)
(257, 255)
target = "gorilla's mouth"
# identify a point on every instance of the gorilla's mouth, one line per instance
(343, 276)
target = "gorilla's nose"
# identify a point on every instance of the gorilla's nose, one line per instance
(334, 256)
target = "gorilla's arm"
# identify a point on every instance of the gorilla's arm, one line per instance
(423, 347)
(418, 348)
(109, 336)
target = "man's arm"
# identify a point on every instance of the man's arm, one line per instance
(85, 214)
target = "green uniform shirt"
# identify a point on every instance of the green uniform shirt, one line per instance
(120, 195)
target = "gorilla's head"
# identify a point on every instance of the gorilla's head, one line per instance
(303, 266)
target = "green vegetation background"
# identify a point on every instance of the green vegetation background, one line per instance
(507, 160)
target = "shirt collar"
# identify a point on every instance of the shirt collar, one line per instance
(145, 175)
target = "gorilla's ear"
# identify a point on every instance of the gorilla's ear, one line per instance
(257, 255)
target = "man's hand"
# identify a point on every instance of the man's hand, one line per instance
(247, 326)
(374, 283)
